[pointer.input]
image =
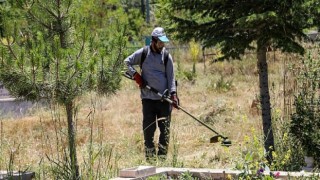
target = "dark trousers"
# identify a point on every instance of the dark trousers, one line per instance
(156, 112)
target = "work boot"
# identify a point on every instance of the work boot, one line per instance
(162, 152)
(150, 154)
(162, 157)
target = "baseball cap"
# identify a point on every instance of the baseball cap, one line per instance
(159, 33)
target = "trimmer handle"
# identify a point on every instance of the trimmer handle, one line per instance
(164, 95)
(127, 75)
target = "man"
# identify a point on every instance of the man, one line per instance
(156, 71)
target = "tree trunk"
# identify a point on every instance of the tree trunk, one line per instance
(147, 11)
(265, 102)
(72, 144)
(143, 8)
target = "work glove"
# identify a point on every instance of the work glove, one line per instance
(139, 80)
(175, 100)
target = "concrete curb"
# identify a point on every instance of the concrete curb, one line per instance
(143, 172)
(16, 175)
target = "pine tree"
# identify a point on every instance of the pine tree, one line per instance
(50, 51)
(239, 25)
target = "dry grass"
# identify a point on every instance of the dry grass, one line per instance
(116, 121)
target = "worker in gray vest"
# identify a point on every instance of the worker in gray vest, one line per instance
(157, 72)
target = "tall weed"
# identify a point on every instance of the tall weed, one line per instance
(288, 155)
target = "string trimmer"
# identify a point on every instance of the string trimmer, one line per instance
(224, 140)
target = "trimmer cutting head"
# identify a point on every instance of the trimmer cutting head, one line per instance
(224, 140)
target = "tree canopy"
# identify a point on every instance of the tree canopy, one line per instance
(239, 25)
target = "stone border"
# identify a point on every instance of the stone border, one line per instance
(142, 172)
(17, 175)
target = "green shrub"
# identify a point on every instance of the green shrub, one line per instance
(305, 121)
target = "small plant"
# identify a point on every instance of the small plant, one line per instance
(187, 176)
(195, 51)
(189, 75)
(158, 177)
(221, 85)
